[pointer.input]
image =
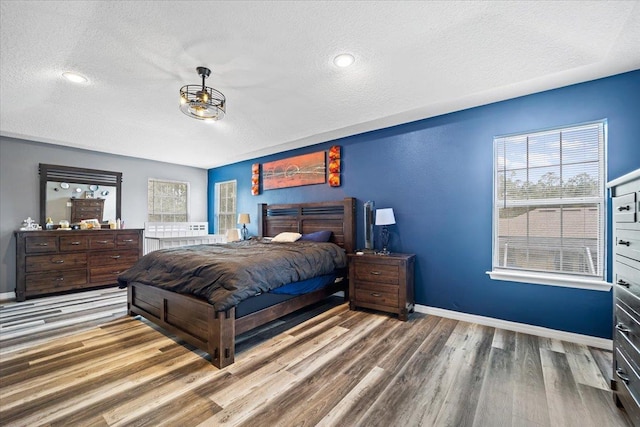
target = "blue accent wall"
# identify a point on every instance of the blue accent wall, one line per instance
(437, 176)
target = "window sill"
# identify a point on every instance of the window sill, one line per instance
(551, 280)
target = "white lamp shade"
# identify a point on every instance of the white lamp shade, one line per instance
(244, 218)
(232, 235)
(385, 216)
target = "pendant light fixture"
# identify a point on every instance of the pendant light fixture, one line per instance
(202, 102)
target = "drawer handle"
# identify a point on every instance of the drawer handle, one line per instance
(104, 242)
(621, 374)
(624, 242)
(620, 326)
(116, 272)
(75, 243)
(375, 294)
(58, 261)
(623, 283)
(375, 273)
(116, 256)
(624, 208)
(127, 240)
(42, 244)
(59, 279)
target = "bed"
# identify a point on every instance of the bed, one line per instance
(198, 322)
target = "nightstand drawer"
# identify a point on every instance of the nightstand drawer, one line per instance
(380, 273)
(379, 294)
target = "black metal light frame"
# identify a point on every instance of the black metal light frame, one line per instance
(202, 102)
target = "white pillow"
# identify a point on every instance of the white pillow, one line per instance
(286, 237)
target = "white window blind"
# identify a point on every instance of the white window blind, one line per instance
(225, 193)
(549, 201)
(167, 201)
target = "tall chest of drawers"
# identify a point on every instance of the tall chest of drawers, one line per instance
(55, 261)
(87, 209)
(625, 192)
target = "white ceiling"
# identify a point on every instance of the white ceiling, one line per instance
(273, 62)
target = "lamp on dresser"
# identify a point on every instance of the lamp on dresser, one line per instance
(244, 219)
(384, 218)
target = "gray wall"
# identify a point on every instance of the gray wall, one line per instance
(19, 188)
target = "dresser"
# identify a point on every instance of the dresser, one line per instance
(382, 282)
(87, 209)
(625, 193)
(55, 261)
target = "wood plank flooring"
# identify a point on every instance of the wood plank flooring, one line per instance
(79, 360)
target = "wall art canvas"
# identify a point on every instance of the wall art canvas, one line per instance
(255, 179)
(334, 166)
(294, 171)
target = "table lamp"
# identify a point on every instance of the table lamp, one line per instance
(244, 219)
(384, 218)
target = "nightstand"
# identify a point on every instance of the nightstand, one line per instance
(382, 282)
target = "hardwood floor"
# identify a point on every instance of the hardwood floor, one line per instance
(79, 360)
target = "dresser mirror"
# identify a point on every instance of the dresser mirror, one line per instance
(62, 188)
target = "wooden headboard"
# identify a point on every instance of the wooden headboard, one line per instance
(337, 216)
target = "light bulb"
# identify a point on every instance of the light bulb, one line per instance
(74, 77)
(343, 60)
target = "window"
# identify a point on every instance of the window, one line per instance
(225, 206)
(549, 207)
(168, 201)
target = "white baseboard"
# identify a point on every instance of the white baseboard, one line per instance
(518, 327)
(8, 296)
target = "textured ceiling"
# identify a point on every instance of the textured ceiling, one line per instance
(273, 62)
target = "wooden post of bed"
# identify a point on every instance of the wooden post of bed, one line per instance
(222, 337)
(193, 320)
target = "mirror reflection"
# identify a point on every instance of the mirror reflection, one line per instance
(74, 194)
(74, 202)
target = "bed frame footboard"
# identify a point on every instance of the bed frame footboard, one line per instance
(196, 322)
(191, 319)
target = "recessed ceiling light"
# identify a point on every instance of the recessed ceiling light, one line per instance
(343, 60)
(74, 77)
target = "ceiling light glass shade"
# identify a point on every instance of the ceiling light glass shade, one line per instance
(343, 60)
(202, 102)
